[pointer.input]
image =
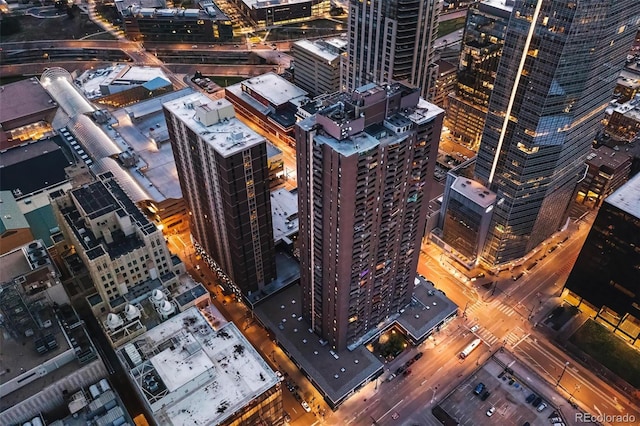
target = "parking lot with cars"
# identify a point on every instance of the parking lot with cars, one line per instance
(494, 395)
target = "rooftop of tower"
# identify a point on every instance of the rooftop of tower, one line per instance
(357, 122)
(474, 191)
(215, 122)
(627, 197)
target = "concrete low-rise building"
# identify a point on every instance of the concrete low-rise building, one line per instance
(318, 64)
(337, 375)
(14, 228)
(607, 170)
(196, 368)
(271, 12)
(270, 103)
(26, 114)
(45, 348)
(160, 24)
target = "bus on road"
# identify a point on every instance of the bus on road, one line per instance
(470, 348)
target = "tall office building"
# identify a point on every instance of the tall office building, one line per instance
(222, 167)
(479, 56)
(558, 69)
(364, 166)
(392, 41)
(604, 280)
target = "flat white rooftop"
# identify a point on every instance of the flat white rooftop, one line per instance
(260, 4)
(116, 75)
(474, 191)
(209, 373)
(424, 111)
(227, 136)
(627, 197)
(143, 73)
(275, 89)
(321, 51)
(500, 4)
(284, 214)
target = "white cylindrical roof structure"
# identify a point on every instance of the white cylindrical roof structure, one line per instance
(58, 82)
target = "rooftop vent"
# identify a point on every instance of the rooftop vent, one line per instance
(131, 312)
(114, 321)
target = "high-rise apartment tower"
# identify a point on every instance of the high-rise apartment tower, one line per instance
(558, 69)
(392, 41)
(222, 167)
(365, 162)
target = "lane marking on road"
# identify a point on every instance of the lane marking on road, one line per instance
(390, 409)
(521, 340)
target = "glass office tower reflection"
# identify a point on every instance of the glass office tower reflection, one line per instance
(479, 57)
(558, 69)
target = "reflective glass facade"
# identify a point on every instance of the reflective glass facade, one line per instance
(558, 69)
(481, 49)
(606, 274)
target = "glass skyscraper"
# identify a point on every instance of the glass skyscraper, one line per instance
(557, 73)
(479, 56)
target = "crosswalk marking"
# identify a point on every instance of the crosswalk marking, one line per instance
(506, 309)
(495, 305)
(512, 338)
(487, 336)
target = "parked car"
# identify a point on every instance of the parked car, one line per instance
(406, 373)
(490, 411)
(485, 395)
(542, 406)
(305, 406)
(391, 377)
(536, 401)
(479, 388)
(418, 356)
(530, 398)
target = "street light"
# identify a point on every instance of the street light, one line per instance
(566, 364)
(531, 311)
